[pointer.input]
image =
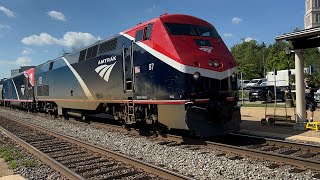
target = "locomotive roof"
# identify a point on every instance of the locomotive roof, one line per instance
(164, 17)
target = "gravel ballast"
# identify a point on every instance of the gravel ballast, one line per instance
(201, 163)
(35, 171)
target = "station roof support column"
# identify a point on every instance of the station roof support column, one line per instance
(300, 94)
(309, 38)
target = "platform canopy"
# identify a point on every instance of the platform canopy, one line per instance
(303, 39)
(309, 38)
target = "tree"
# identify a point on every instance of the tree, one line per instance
(249, 56)
(277, 58)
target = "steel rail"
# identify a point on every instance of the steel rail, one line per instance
(147, 167)
(278, 142)
(280, 158)
(291, 160)
(68, 173)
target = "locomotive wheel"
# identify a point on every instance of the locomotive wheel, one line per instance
(271, 121)
(263, 121)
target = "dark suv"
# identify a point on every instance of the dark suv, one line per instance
(261, 93)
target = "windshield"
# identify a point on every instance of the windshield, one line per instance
(191, 30)
(254, 81)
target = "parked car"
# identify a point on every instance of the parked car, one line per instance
(255, 83)
(242, 83)
(264, 84)
(261, 93)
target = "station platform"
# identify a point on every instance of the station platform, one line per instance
(12, 177)
(251, 125)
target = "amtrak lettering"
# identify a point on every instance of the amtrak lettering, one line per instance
(106, 60)
(104, 70)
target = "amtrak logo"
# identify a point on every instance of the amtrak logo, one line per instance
(206, 49)
(104, 70)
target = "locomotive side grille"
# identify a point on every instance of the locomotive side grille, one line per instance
(82, 55)
(108, 46)
(45, 90)
(39, 91)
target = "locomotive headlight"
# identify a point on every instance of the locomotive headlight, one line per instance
(216, 63)
(196, 75)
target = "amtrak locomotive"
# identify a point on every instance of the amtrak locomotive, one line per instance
(174, 71)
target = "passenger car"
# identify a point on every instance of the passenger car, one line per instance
(261, 93)
(254, 83)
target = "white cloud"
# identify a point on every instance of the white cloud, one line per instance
(26, 51)
(69, 39)
(23, 61)
(20, 61)
(77, 39)
(7, 11)
(236, 20)
(3, 62)
(4, 26)
(42, 39)
(248, 39)
(151, 9)
(57, 15)
(228, 35)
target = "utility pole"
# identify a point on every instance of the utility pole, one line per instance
(288, 52)
(263, 59)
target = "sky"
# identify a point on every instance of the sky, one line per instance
(35, 31)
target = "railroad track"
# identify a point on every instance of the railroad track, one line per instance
(301, 156)
(75, 159)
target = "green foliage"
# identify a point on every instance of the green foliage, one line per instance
(13, 164)
(245, 94)
(6, 155)
(14, 158)
(253, 58)
(10, 155)
(277, 57)
(30, 163)
(250, 57)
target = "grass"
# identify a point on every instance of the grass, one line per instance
(245, 94)
(30, 163)
(11, 155)
(13, 164)
(6, 155)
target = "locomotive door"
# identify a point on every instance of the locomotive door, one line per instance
(128, 71)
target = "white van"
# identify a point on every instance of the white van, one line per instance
(242, 83)
(255, 83)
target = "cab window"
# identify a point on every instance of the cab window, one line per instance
(149, 30)
(139, 35)
(191, 30)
